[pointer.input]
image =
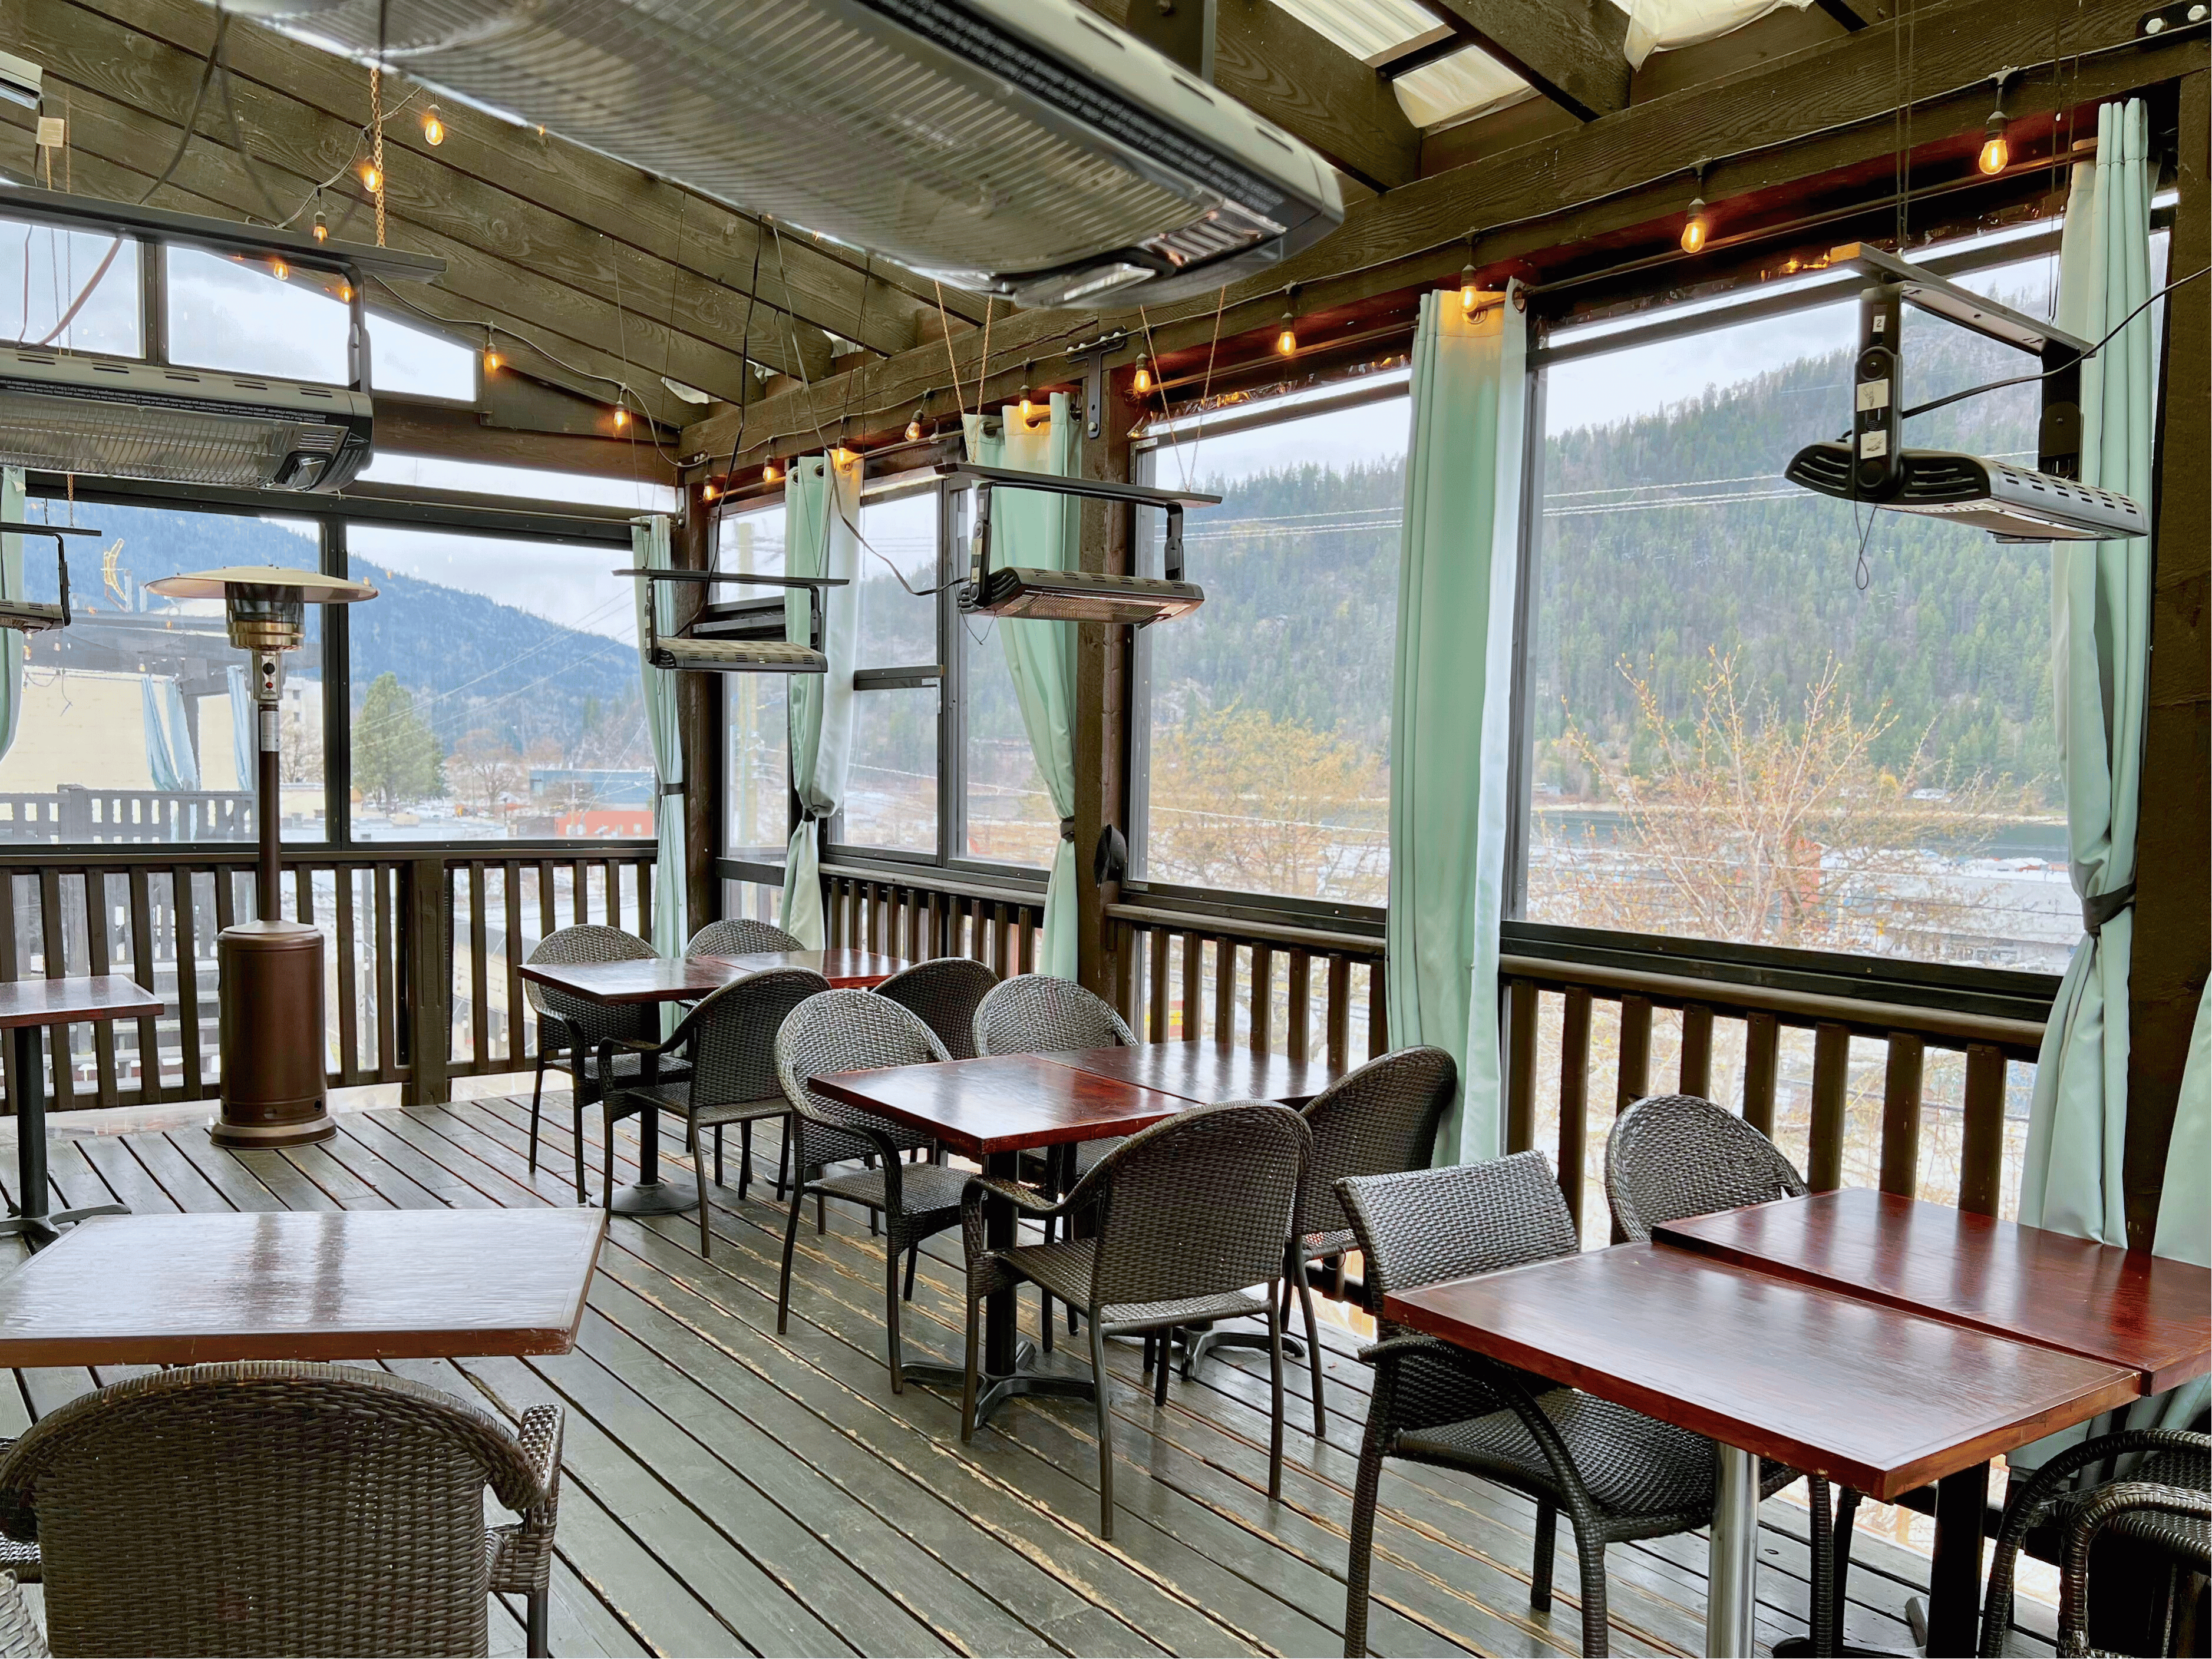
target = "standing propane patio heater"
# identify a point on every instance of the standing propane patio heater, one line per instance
(271, 970)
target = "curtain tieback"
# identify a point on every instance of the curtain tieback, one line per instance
(808, 815)
(671, 788)
(2098, 909)
(1067, 829)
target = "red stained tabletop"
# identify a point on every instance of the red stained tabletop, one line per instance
(2125, 1307)
(660, 979)
(1207, 1072)
(56, 1001)
(1832, 1384)
(1002, 1103)
(183, 1290)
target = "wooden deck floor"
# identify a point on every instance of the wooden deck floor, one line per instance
(727, 1491)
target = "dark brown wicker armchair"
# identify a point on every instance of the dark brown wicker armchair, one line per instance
(1377, 1120)
(729, 1041)
(853, 1031)
(277, 1507)
(570, 1031)
(1190, 1214)
(740, 936)
(945, 992)
(2175, 1462)
(1618, 1474)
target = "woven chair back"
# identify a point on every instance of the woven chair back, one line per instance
(945, 993)
(1037, 1014)
(273, 1507)
(1427, 1225)
(1673, 1156)
(740, 937)
(1200, 1204)
(733, 1041)
(1377, 1120)
(591, 1022)
(847, 1030)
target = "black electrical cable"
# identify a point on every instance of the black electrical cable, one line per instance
(192, 119)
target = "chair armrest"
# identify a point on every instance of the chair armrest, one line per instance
(2106, 1505)
(973, 1242)
(524, 1561)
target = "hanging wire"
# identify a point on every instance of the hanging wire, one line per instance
(192, 116)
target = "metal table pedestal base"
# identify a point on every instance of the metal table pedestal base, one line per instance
(996, 1388)
(1732, 1557)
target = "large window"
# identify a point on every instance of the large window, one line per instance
(494, 691)
(891, 788)
(1266, 714)
(134, 721)
(756, 708)
(75, 290)
(1759, 717)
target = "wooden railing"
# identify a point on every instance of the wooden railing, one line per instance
(1303, 991)
(76, 816)
(1849, 1087)
(929, 914)
(423, 977)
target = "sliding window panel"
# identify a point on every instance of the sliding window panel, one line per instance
(891, 786)
(75, 290)
(1010, 818)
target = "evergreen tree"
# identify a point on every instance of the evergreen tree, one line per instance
(395, 756)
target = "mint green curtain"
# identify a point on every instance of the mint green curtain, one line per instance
(11, 587)
(246, 756)
(170, 760)
(649, 547)
(1450, 729)
(2185, 1207)
(2100, 654)
(821, 537)
(1041, 532)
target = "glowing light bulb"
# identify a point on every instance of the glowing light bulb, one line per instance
(1028, 407)
(434, 130)
(345, 292)
(371, 180)
(770, 474)
(622, 418)
(1996, 154)
(708, 492)
(843, 455)
(1287, 342)
(1143, 383)
(322, 230)
(282, 270)
(1694, 228)
(1468, 292)
(491, 360)
(914, 429)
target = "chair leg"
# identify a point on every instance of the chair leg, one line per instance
(1547, 1546)
(607, 1112)
(537, 1100)
(1313, 1341)
(1847, 1504)
(744, 1156)
(1105, 1433)
(1360, 1557)
(1824, 1565)
(912, 1261)
(790, 1246)
(969, 1381)
(1596, 1633)
(576, 1139)
(821, 1216)
(891, 1303)
(699, 1175)
(536, 1642)
(1275, 1431)
(783, 1156)
(1160, 1376)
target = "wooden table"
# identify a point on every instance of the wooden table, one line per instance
(992, 1109)
(1207, 1072)
(1835, 1384)
(2145, 1314)
(27, 1006)
(645, 979)
(183, 1290)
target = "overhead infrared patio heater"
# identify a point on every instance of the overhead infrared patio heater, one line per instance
(745, 638)
(2047, 503)
(1072, 595)
(273, 1081)
(30, 617)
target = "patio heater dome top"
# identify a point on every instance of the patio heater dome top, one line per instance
(266, 603)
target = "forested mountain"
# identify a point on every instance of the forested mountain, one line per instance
(1665, 537)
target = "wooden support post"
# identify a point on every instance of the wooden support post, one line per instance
(1101, 715)
(2172, 947)
(1832, 1077)
(1520, 1065)
(1981, 1151)
(426, 905)
(1696, 1073)
(1900, 1116)
(1574, 1096)
(1762, 1042)
(699, 726)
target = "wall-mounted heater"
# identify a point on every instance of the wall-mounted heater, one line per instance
(1023, 146)
(1072, 595)
(120, 417)
(24, 615)
(745, 638)
(2044, 503)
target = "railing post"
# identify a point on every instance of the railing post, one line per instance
(1832, 1077)
(1900, 1116)
(1520, 1065)
(429, 991)
(73, 811)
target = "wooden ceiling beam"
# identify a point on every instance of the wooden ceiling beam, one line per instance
(1573, 51)
(1796, 118)
(1307, 85)
(660, 222)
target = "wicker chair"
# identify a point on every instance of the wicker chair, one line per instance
(1377, 1120)
(945, 993)
(278, 1507)
(854, 1030)
(741, 936)
(1670, 1157)
(1618, 1474)
(1037, 1014)
(570, 1031)
(2138, 1508)
(729, 1039)
(1190, 1214)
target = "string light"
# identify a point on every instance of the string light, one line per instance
(770, 474)
(371, 180)
(491, 353)
(1694, 228)
(322, 230)
(345, 292)
(283, 270)
(621, 418)
(1468, 292)
(1287, 342)
(1143, 383)
(707, 492)
(1027, 406)
(434, 130)
(1996, 154)
(914, 429)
